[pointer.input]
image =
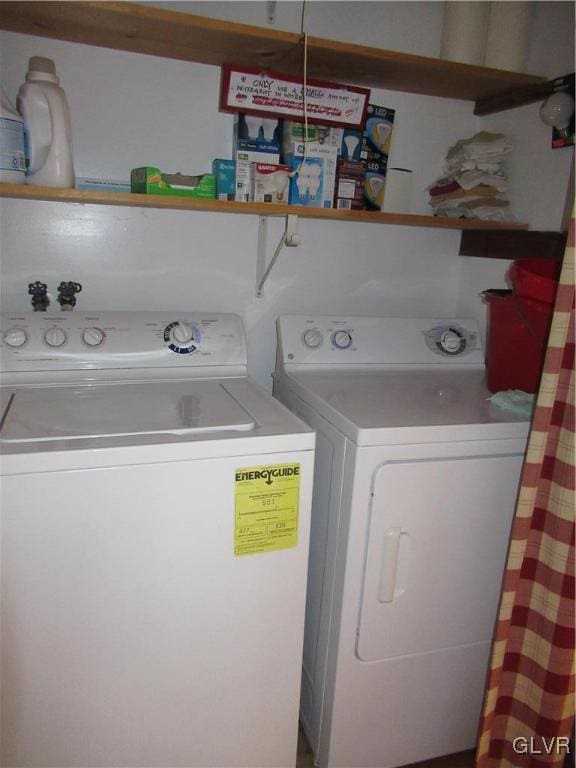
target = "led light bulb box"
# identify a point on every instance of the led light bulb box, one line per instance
(350, 144)
(257, 134)
(293, 136)
(374, 152)
(346, 140)
(225, 173)
(350, 177)
(244, 171)
(313, 184)
(270, 183)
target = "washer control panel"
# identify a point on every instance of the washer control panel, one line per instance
(390, 341)
(100, 340)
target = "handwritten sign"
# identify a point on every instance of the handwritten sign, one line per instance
(256, 93)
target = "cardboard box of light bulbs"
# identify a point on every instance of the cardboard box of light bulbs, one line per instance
(350, 144)
(293, 136)
(346, 140)
(225, 174)
(313, 184)
(256, 140)
(270, 183)
(350, 177)
(245, 162)
(257, 134)
(374, 153)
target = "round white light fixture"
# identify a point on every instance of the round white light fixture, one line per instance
(557, 110)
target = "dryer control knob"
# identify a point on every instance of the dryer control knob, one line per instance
(312, 338)
(93, 337)
(342, 339)
(452, 341)
(55, 337)
(15, 337)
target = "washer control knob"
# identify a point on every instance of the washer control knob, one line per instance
(312, 338)
(342, 339)
(181, 333)
(15, 337)
(55, 337)
(93, 337)
(182, 337)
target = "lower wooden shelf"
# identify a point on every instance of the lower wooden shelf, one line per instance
(513, 245)
(98, 197)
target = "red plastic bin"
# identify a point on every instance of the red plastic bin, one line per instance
(518, 325)
(535, 279)
(516, 341)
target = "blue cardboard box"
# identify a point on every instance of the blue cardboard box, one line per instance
(225, 172)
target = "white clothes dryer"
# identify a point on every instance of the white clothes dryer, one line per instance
(155, 511)
(415, 484)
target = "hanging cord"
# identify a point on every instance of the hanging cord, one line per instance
(305, 75)
(304, 34)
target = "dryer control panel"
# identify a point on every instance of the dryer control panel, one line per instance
(386, 341)
(55, 342)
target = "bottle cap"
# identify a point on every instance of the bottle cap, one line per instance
(41, 64)
(40, 68)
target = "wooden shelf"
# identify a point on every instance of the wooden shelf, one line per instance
(97, 197)
(128, 26)
(513, 245)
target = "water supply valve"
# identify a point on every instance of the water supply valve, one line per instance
(40, 298)
(67, 295)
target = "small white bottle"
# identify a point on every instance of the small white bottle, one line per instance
(48, 132)
(12, 159)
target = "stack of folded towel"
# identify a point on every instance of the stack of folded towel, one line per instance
(473, 182)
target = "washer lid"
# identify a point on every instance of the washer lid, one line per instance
(116, 410)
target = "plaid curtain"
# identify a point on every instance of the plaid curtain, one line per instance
(529, 702)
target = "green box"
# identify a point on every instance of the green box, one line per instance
(150, 181)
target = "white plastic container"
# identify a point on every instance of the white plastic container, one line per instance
(508, 35)
(12, 159)
(398, 191)
(44, 108)
(464, 31)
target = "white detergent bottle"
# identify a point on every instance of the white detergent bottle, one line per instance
(48, 133)
(12, 160)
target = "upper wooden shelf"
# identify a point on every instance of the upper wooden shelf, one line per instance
(128, 26)
(97, 197)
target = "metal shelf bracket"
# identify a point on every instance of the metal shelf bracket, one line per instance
(290, 238)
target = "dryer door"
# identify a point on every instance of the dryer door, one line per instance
(435, 554)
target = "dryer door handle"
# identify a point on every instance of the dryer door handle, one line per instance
(389, 566)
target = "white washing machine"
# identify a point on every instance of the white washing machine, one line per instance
(415, 485)
(155, 516)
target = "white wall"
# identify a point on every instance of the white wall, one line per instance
(538, 174)
(130, 110)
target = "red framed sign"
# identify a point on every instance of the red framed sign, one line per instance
(270, 93)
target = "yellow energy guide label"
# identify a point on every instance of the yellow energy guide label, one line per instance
(266, 508)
